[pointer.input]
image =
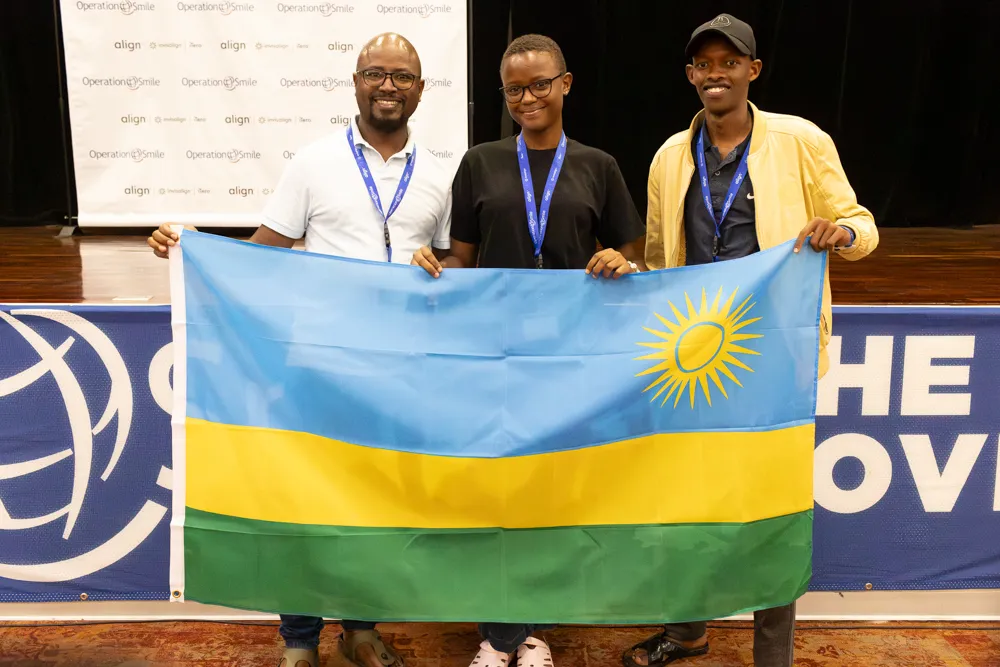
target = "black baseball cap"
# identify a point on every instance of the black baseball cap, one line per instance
(730, 27)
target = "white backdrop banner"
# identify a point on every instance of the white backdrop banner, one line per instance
(188, 112)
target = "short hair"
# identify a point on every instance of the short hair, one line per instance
(538, 43)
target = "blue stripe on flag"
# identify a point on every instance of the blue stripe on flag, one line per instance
(483, 362)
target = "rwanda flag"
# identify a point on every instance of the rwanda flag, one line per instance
(359, 440)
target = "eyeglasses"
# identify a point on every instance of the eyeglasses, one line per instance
(401, 80)
(540, 88)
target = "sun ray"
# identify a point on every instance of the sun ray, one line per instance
(672, 382)
(655, 346)
(739, 312)
(714, 374)
(715, 302)
(664, 377)
(665, 367)
(673, 328)
(703, 381)
(745, 323)
(700, 348)
(682, 386)
(742, 350)
(724, 313)
(665, 335)
(730, 359)
(734, 338)
(729, 374)
(677, 385)
(681, 320)
(692, 313)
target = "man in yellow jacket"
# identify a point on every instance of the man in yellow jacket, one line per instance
(737, 181)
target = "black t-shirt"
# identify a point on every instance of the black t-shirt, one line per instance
(591, 203)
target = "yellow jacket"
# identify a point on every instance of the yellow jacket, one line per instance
(796, 175)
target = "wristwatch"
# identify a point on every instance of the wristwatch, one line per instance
(634, 266)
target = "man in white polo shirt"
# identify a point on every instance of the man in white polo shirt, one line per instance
(365, 192)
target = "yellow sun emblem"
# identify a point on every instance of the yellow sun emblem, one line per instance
(699, 346)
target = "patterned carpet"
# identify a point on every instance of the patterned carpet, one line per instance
(190, 644)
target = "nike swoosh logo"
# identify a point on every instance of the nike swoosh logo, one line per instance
(750, 195)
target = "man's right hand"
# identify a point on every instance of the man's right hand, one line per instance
(424, 257)
(162, 238)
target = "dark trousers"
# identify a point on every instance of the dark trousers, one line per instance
(506, 637)
(303, 631)
(773, 635)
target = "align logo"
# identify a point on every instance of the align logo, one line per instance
(230, 83)
(423, 10)
(126, 7)
(340, 47)
(329, 84)
(125, 45)
(340, 120)
(240, 191)
(136, 191)
(224, 8)
(135, 155)
(131, 83)
(133, 120)
(325, 9)
(233, 156)
(235, 47)
(238, 121)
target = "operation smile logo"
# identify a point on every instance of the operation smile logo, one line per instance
(75, 458)
(126, 7)
(329, 83)
(135, 154)
(697, 347)
(224, 8)
(423, 10)
(230, 83)
(131, 82)
(324, 9)
(233, 156)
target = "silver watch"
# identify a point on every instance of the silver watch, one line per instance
(634, 266)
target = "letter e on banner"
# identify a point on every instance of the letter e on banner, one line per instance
(919, 375)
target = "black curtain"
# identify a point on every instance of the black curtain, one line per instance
(908, 90)
(35, 156)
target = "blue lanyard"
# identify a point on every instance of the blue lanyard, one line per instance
(538, 220)
(404, 183)
(741, 172)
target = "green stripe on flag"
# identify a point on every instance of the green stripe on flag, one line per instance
(582, 574)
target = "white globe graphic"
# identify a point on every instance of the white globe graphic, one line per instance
(83, 429)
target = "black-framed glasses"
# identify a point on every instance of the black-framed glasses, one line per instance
(375, 77)
(540, 88)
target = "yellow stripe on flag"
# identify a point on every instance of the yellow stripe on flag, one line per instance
(293, 477)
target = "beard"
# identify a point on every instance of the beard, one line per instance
(387, 121)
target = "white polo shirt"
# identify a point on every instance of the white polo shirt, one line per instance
(322, 196)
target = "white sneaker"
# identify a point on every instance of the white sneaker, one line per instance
(487, 657)
(534, 653)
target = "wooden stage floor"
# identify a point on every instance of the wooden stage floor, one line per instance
(910, 266)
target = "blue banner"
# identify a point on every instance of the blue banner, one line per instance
(906, 461)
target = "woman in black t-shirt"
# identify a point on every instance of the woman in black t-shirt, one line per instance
(538, 200)
(590, 203)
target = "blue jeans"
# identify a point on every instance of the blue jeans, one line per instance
(506, 637)
(303, 631)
